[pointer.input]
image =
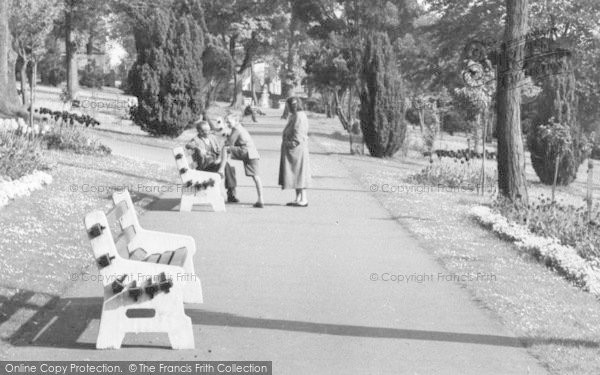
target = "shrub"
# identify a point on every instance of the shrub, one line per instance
(381, 103)
(110, 79)
(20, 155)
(464, 154)
(52, 69)
(554, 140)
(453, 121)
(595, 144)
(68, 117)
(75, 139)
(454, 173)
(572, 226)
(557, 101)
(92, 76)
(314, 105)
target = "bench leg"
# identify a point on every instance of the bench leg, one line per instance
(111, 335)
(187, 202)
(192, 286)
(217, 201)
(181, 335)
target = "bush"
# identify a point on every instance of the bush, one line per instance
(595, 144)
(412, 116)
(453, 173)
(464, 154)
(314, 105)
(557, 104)
(110, 79)
(52, 69)
(72, 138)
(571, 225)
(453, 121)
(381, 103)
(20, 155)
(92, 76)
(546, 143)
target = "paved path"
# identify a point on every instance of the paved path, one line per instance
(292, 285)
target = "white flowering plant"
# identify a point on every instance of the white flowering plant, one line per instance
(562, 258)
(11, 189)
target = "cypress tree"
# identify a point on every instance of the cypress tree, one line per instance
(558, 100)
(167, 75)
(381, 104)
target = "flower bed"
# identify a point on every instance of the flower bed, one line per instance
(562, 258)
(23, 186)
(20, 155)
(454, 173)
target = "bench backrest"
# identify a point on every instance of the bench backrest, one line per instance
(101, 239)
(126, 214)
(183, 167)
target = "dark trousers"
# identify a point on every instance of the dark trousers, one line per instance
(230, 179)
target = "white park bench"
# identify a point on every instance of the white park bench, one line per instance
(158, 247)
(199, 187)
(131, 285)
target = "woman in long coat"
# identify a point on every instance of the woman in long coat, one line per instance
(294, 169)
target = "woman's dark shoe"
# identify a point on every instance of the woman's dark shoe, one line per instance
(232, 199)
(258, 205)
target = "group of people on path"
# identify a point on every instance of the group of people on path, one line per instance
(212, 154)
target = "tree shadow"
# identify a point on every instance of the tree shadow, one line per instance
(61, 322)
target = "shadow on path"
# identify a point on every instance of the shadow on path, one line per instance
(61, 322)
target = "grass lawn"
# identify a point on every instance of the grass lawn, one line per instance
(43, 239)
(556, 321)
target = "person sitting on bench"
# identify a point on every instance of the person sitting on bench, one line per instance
(206, 153)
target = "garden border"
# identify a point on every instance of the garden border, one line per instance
(562, 258)
(22, 187)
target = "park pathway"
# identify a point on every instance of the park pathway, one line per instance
(294, 286)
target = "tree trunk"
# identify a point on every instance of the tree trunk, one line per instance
(344, 118)
(70, 50)
(4, 46)
(237, 98)
(252, 87)
(9, 101)
(89, 46)
(511, 174)
(32, 93)
(24, 83)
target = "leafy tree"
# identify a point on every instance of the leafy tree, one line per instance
(381, 112)
(334, 66)
(574, 22)
(244, 28)
(9, 102)
(31, 23)
(217, 68)
(80, 23)
(4, 50)
(166, 77)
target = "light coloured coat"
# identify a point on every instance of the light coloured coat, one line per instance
(294, 167)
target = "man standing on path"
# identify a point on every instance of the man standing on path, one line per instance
(206, 153)
(241, 147)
